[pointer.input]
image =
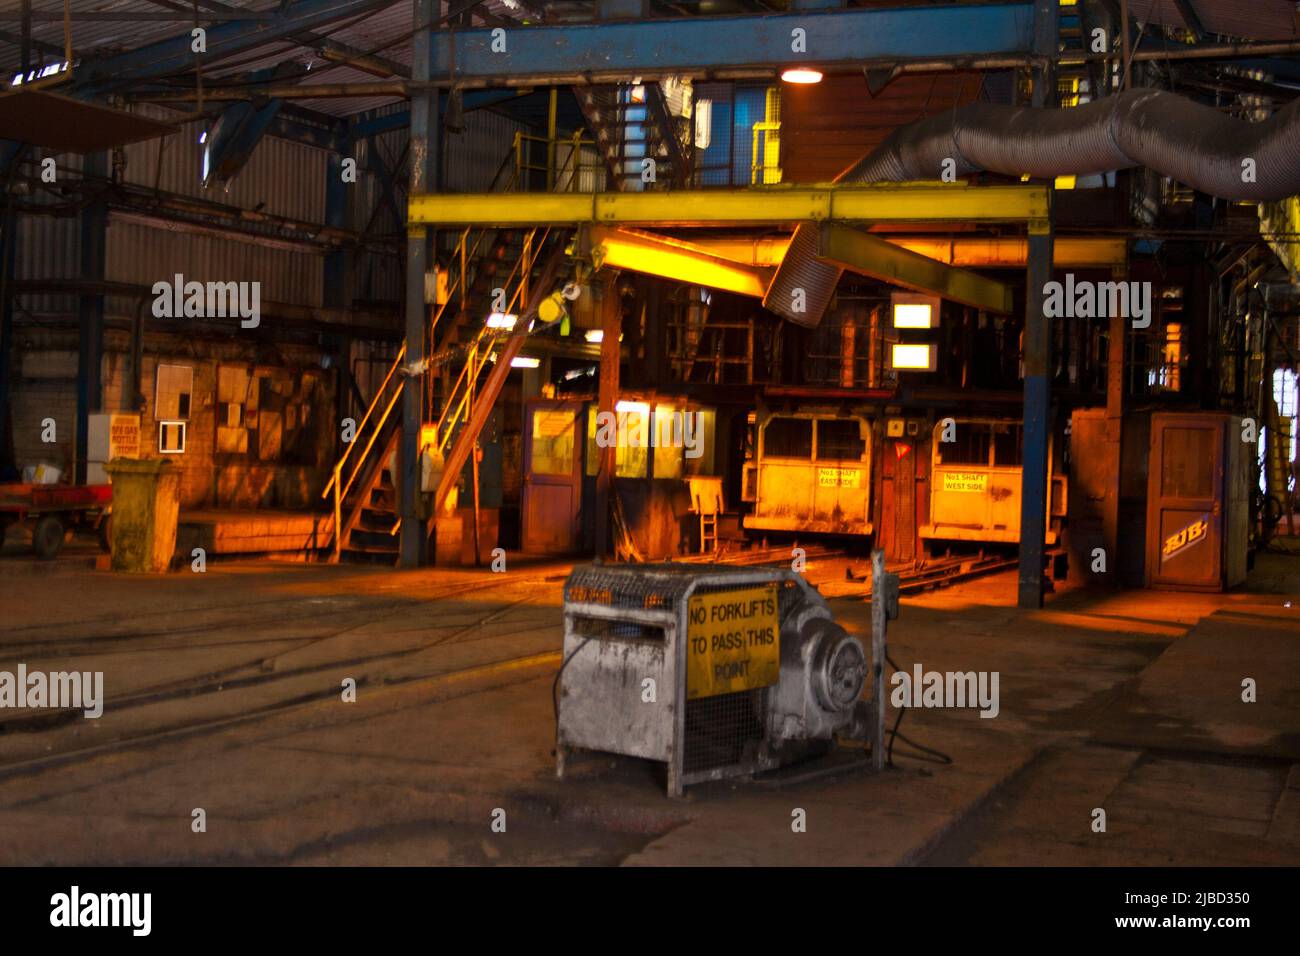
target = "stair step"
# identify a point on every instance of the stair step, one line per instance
(377, 521)
(355, 556)
(372, 541)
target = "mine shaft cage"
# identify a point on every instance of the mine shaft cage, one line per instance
(624, 626)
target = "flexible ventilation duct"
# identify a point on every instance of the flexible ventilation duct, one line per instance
(1194, 144)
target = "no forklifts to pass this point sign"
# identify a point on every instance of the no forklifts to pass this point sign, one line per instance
(732, 642)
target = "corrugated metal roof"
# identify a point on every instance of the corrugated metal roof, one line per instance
(103, 36)
(1241, 19)
(385, 32)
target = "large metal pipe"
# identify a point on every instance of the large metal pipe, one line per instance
(1194, 144)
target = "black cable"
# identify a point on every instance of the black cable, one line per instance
(943, 758)
(555, 686)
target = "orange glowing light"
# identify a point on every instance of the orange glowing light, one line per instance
(802, 74)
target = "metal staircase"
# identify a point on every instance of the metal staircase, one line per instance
(632, 123)
(460, 377)
(362, 488)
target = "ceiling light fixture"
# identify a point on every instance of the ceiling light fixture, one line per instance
(802, 74)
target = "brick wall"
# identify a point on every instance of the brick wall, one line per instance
(287, 472)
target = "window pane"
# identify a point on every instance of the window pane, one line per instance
(593, 451)
(1008, 445)
(552, 441)
(1187, 468)
(670, 439)
(703, 439)
(788, 438)
(970, 446)
(839, 439)
(631, 437)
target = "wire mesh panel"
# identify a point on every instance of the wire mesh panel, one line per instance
(724, 731)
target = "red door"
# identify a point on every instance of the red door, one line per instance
(1185, 517)
(552, 476)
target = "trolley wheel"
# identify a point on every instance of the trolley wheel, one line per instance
(106, 534)
(47, 539)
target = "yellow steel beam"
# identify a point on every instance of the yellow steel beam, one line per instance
(884, 202)
(972, 252)
(1012, 253)
(878, 258)
(674, 259)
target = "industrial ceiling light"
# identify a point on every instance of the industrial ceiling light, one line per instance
(595, 336)
(802, 74)
(500, 320)
(913, 311)
(523, 361)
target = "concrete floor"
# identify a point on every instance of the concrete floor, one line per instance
(223, 693)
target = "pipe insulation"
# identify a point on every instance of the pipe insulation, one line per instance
(1194, 144)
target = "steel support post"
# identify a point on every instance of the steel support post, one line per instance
(424, 152)
(879, 622)
(611, 324)
(1037, 344)
(90, 393)
(1037, 423)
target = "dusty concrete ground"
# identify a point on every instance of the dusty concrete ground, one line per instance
(223, 694)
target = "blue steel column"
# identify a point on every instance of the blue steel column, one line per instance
(337, 272)
(9, 157)
(1033, 481)
(424, 152)
(1037, 346)
(90, 392)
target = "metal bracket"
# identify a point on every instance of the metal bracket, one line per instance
(889, 595)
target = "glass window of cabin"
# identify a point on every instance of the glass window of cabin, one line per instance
(699, 459)
(1008, 444)
(553, 434)
(631, 435)
(669, 440)
(788, 438)
(840, 439)
(969, 447)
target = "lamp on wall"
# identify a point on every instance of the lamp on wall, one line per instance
(912, 310)
(905, 356)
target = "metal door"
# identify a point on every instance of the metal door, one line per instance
(841, 481)
(1185, 516)
(904, 544)
(552, 493)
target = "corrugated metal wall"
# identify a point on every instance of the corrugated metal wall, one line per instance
(137, 253)
(47, 249)
(286, 178)
(475, 155)
(283, 178)
(472, 159)
(828, 126)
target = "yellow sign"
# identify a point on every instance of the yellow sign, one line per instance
(839, 477)
(976, 481)
(732, 642)
(1185, 538)
(124, 436)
